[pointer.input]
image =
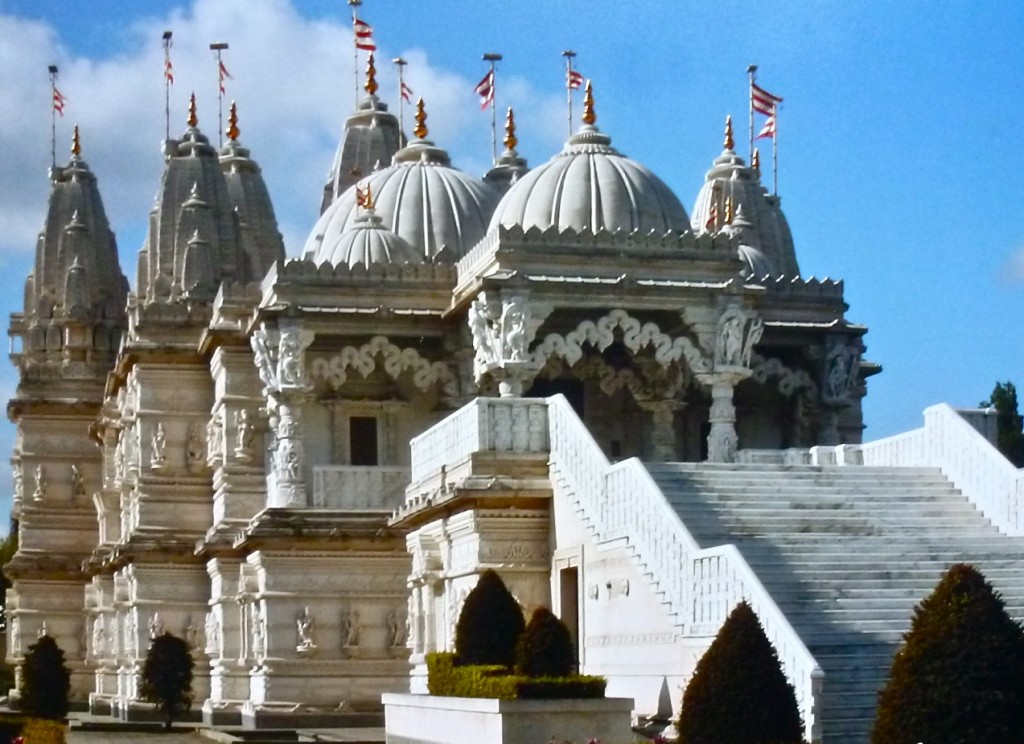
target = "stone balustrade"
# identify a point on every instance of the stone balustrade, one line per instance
(358, 488)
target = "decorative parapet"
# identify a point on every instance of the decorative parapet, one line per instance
(799, 287)
(359, 488)
(968, 459)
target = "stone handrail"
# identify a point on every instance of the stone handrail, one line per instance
(701, 586)
(969, 460)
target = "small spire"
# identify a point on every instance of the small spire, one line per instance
(193, 119)
(420, 130)
(589, 117)
(728, 210)
(76, 143)
(233, 130)
(729, 143)
(755, 161)
(370, 86)
(510, 130)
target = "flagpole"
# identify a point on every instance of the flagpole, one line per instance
(401, 63)
(775, 151)
(751, 72)
(569, 54)
(493, 57)
(218, 47)
(53, 116)
(167, 86)
(355, 47)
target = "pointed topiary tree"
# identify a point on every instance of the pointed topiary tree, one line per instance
(45, 680)
(167, 676)
(959, 676)
(738, 693)
(489, 624)
(545, 648)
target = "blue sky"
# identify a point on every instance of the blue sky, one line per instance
(899, 164)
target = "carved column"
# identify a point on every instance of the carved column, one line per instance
(662, 441)
(502, 328)
(840, 376)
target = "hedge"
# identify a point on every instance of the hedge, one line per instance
(446, 679)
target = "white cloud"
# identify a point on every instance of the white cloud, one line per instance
(1015, 266)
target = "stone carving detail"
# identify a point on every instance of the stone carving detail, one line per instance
(156, 626)
(99, 636)
(158, 447)
(244, 435)
(263, 357)
(304, 625)
(501, 333)
(195, 447)
(790, 380)
(350, 628)
(40, 491)
(191, 634)
(77, 483)
(842, 368)
(397, 628)
(394, 361)
(738, 332)
(215, 440)
(212, 631)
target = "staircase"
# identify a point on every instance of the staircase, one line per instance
(845, 553)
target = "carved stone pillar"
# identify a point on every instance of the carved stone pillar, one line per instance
(662, 429)
(840, 378)
(722, 440)
(502, 329)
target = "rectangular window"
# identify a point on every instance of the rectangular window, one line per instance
(362, 437)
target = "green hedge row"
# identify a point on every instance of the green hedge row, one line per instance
(446, 679)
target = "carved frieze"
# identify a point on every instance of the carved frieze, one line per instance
(738, 332)
(394, 360)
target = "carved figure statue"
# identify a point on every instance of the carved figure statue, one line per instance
(513, 326)
(304, 625)
(156, 626)
(98, 637)
(195, 447)
(158, 447)
(77, 483)
(485, 341)
(350, 628)
(290, 368)
(40, 493)
(245, 434)
(397, 626)
(214, 437)
(730, 341)
(263, 358)
(841, 367)
(191, 634)
(212, 631)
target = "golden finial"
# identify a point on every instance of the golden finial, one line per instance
(510, 130)
(728, 210)
(370, 86)
(420, 130)
(728, 133)
(76, 144)
(755, 161)
(233, 130)
(193, 120)
(589, 117)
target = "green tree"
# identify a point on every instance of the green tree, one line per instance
(545, 647)
(167, 676)
(45, 680)
(959, 677)
(738, 693)
(489, 625)
(1009, 423)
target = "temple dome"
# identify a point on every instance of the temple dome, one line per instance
(591, 186)
(368, 242)
(420, 198)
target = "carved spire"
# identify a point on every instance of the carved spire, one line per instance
(755, 161)
(729, 143)
(510, 130)
(420, 130)
(76, 143)
(589, 117)
(233, 130)
(193, 119)
(370, 86)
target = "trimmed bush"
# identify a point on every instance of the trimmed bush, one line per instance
(446, 679)
(545, 647)
(489, 624)
(167, 676)
(45, 681)
(959, 676)
(738, 693)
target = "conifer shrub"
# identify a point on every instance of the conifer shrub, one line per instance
(489, 624)
(545, 647)
(167, 676)
(46, 681)
(959, 676)
(739, 693)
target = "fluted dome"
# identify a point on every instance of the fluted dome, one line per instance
(591, 186)
(368, 242)
(422, 199)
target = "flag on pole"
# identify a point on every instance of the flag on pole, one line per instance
(573, 79)
(364, 35)
(58, 101)
(168, 70)
(762, 101)
(712, 220)
(407, 93)
(768, 130)
(485, 89)
(222, 75)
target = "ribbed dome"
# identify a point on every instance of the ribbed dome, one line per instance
(420, 198)
(591, 186)
(368, 242)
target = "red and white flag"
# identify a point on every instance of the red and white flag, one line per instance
(712, 220)
(407, 93)
(768, 130)
(168, 70)
(58, 101)
(485, 89)
(222, 75)
(762, 101)
(364, 35)
(573, 79)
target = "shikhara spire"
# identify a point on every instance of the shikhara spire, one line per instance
(233, 131)
(420, 130)
(589, 115)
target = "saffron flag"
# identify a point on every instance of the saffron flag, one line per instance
(485, 89)
(364, 35)
(768, 130)
(168, 70)
(364, 197)
(712, 220)
(573, 80)
(407, 93)
(762, 101)
(222, 75)
(58, 101)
